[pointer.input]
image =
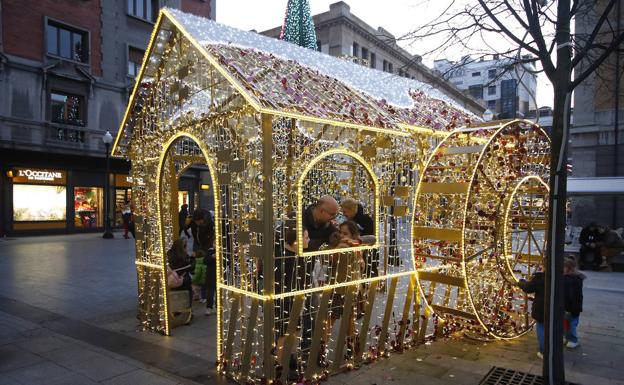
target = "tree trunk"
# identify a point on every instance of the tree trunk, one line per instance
(553, 366)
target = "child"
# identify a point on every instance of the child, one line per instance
(536, 285)
(199, 277)
(573, 289)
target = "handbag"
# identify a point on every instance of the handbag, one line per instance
(174, 280)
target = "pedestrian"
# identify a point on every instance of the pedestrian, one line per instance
(180, 262)
(203, 230)
(126, 215)
(536, 285)
(573, 290)
(182, 216)
(354, 211)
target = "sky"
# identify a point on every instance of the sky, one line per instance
(397, 16)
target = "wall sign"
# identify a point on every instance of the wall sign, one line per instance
(39, 176)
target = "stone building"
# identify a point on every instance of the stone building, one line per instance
(508, 93)
(596, 148)
(67, 68)
(342, 34)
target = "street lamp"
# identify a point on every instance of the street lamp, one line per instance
(108, 234)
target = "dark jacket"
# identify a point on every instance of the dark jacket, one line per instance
(182, 221)
(589, 236)
(366, 223)
(573, 291)
(318, 234)
(535, 285)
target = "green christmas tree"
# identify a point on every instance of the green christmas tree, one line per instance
(298, 27)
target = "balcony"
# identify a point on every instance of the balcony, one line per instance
(50, 137)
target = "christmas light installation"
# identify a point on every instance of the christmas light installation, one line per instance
(298, 27)
(277, 126)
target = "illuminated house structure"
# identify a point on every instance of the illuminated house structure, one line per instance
(278, 126)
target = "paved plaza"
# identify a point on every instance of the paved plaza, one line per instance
(68, 307)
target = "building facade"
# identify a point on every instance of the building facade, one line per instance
(340, 33)
(507, 92)
(596, 143)
(67, 68)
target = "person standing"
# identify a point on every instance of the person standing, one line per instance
(182, 215)
(126, 216)
(203, 230)
(573, 290)
(590, 240)
(536, 285)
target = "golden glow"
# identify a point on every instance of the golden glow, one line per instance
(147, 264)
(137, 83)
(506, 240)
(300, 208)
(211, 168)
(204, 186)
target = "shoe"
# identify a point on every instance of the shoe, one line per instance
(540, 355)
(572, 345)
(202, 300)
(209, 311)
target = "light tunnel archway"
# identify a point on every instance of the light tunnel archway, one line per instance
(165, 176)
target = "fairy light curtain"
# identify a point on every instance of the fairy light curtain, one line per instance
(278, 126)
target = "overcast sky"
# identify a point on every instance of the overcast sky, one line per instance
(396, 16)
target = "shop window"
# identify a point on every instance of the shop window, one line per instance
(135, 58)
(39, 203)
(66, 108)
(143, 9)
(390, 68)
(183, 198)
(67, 42)
(88, 207)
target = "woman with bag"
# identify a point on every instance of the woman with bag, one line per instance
(180, 264)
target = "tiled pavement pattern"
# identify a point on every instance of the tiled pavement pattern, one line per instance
(67, 317)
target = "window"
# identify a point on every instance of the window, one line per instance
(492, 74)
(475, 74)
(135, 58)
(491, 105)
(390, 68)
(364, 53)
(318, 45)
(143, 9)
(66, 108)
(88, 206)
(355, 50)
(385, 66)
(39, 203)
(67, 42)
(491, 90)
(373, 60)
(476, 91)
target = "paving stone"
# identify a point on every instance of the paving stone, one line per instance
(139, 376)
(101, 368)
(13, 357)
(43, 344)
(41, 373)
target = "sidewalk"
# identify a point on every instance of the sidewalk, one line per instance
(67, 316)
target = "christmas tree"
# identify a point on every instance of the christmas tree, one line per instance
(298, 25)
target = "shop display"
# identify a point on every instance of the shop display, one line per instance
(39, 203)
(88, 207)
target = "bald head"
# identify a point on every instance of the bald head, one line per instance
(326, 209)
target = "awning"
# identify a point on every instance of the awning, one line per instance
(596, 186)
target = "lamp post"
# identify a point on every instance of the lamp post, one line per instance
(108, 234)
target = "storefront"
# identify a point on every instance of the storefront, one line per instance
(47, 194)
(39, 198)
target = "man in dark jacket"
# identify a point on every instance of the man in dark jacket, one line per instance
(536, 286)
(317, 218)
(590, 240)
(182, 219)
